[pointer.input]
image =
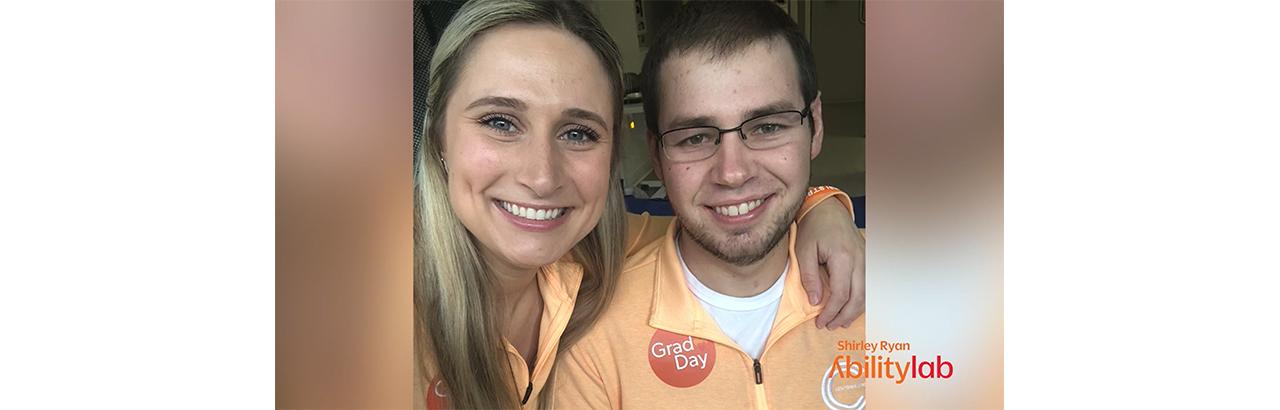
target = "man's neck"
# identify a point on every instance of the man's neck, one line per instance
(730, 279)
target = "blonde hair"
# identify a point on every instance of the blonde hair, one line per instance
(454, 294)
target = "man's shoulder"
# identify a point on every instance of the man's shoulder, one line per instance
(634, 291)
(638, 270)
(632, 299)
(645, 258)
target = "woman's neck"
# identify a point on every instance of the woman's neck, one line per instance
(520, 307)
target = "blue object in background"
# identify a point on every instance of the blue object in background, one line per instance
(860, 211)
(662, 207)
(656, 207)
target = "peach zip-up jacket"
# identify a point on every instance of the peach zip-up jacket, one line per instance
(656, 347)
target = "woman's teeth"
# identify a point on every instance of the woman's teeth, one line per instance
(739, 209)
(533, 213)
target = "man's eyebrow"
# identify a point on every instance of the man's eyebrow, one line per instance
(705, 121)
(775, 107)
(701, 121)
(586, 115)
(498, 101)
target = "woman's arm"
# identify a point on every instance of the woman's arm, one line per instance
(643, 229)
(831, 250)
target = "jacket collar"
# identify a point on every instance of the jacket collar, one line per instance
(676, 309)
(558, 284)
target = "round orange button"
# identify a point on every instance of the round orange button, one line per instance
(680, 360)
(437, 395)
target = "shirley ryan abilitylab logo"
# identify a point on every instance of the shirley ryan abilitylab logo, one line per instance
(882, 367)
(843, 383)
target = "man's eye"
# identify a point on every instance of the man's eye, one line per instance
(768, 128)
(694, 140)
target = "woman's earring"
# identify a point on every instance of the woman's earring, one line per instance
(445, 165)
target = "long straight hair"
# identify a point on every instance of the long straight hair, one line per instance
(455, 297)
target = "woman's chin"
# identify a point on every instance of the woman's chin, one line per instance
(532, 263)
(522, 251)
(533, 259)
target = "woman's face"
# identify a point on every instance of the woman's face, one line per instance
(527, 142)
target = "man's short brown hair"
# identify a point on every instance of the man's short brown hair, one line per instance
(722, 28)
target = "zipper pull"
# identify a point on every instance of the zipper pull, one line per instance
(527, 392)
(759, 378)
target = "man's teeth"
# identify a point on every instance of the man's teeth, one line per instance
(532, 213)
(739, 209)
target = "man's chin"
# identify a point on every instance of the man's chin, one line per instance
(737, 249)
(743, 245)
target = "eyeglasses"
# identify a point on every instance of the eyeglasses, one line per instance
(760, 133)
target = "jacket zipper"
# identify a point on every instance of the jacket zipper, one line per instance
(527, 392)
(761, 402)
(759, 377)
(756, 362)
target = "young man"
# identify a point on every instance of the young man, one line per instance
(714, 315)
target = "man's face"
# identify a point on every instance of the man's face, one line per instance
(739, 203)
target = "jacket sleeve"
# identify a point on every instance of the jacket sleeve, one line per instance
(822, 193)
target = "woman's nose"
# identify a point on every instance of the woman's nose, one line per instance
(541, 168)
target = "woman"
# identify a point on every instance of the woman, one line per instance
(519, 228)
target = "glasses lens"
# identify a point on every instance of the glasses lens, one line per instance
(690, 144)
(774, 130)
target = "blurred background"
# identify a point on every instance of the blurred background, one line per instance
(836, 30)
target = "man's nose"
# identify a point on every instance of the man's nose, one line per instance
(733, 161)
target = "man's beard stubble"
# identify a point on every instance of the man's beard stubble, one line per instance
(748, 253)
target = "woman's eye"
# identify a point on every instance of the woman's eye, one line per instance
(500, 124)
(581, 136)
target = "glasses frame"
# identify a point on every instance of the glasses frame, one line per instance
(806, 113)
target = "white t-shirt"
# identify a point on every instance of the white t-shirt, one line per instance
(745, 320)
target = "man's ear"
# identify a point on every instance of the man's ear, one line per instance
(655, 157)
(816, 117)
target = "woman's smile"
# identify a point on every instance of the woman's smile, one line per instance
(533, 217)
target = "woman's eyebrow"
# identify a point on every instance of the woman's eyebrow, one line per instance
(585, 115)
(498, 101)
